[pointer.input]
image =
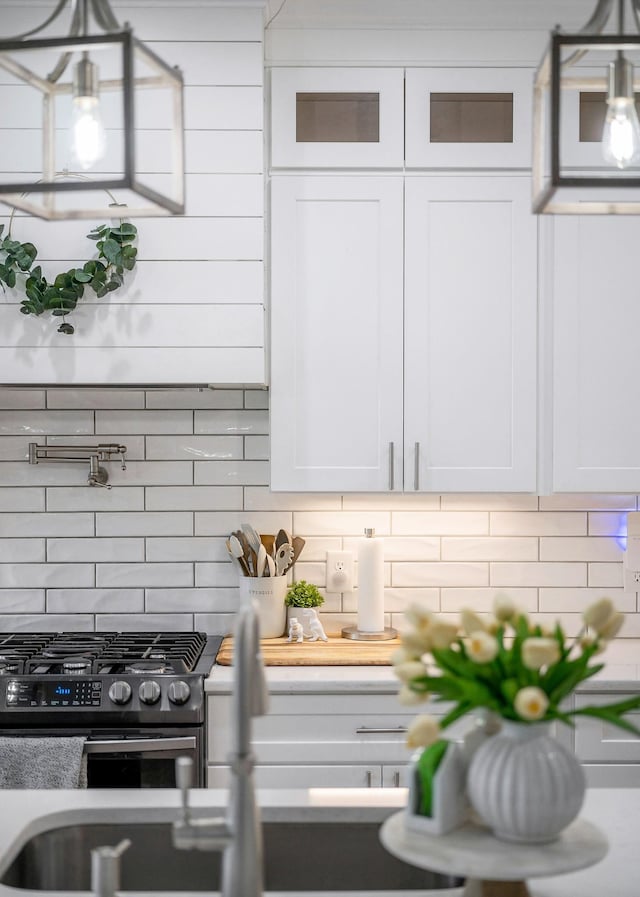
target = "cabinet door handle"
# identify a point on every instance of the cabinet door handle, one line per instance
(369, 778)
(416, 467)
(396, 779)
(391, 466)
(387, 730)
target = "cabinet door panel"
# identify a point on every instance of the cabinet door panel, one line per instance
(470, 334)
(596, 366)
(294, 776)
(336, 333)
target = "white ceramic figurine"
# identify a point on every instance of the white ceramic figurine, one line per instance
(315, 626)
(296, 632)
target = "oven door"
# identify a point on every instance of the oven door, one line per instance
(141, 761)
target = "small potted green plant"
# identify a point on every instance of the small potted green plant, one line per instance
(301, 595)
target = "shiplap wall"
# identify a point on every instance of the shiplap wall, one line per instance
(192, 312)
(150, 552)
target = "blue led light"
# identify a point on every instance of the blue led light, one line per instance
(62, 690)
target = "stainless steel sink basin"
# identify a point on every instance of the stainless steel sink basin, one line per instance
(318, 856)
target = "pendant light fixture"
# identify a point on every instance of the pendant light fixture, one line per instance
(583, 76)
(100, 103)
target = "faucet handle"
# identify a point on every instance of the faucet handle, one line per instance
(105, 869)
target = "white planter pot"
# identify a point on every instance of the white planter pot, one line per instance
(268, 592)
(525, 784)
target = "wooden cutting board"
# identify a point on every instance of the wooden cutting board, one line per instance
(337, 652)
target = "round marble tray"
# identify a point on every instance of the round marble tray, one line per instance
(473, 852)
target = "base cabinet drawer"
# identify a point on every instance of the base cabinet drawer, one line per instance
(312, 776)
(598, 742)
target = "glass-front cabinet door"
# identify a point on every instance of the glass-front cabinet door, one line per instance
(468, 118)
(336, 117)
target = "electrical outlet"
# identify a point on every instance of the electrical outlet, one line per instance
(339, 571)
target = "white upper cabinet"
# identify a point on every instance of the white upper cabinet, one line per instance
(369, 396)
(470, 334)
(337, 117)
(336, 333)
(596, 364)
(468, 117)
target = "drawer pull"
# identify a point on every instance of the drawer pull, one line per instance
(391, 466)
(369, 778)
(372, 730)
(396, 779)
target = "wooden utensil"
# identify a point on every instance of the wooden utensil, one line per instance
(282, 538)
(284, 556)
(297, 545)
(249, 553)
(268, 540)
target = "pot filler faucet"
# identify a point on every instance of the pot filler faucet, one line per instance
(94, 454)
(239, 834)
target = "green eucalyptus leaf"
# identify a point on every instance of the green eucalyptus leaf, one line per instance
(81, 276)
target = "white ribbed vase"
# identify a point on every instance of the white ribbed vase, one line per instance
(525, 784)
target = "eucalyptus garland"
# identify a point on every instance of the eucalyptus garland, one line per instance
(103, 274)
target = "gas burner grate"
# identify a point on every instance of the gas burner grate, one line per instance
(180, 650)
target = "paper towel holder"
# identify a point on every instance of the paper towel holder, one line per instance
(352, 632)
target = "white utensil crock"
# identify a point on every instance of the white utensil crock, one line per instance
(268, 592)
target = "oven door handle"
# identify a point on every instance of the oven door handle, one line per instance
(142, 745)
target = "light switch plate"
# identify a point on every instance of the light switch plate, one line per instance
(339, 571)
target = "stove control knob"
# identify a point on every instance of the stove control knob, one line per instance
(149, 692)
(179, 692)
(120, 692)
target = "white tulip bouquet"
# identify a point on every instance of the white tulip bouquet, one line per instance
(506, 664)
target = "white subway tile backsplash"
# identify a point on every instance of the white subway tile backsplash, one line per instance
(199, 600)
(231, 423)
(543, 574)
(194, 448)
(481, 600)
(23, 601)
(148, 523)
(95, 601)
(95, 398)
(576, 600)
(229, 473)
(19, 551)
(439, 574)
(256, 448)
(590, 502)
(197, 548)
(144, 422)
(489, 502)
(110, 576)
(14, 397)
(260, 498)
(46, 524)
(216, 575)
(17, 498)
(34, 576)
(94, 550)
(194, 398)
(542, 523)
(34, 424)
(440, 523)
(15, 448)
(580, 548)
(150, 553)
(492, 548)
(605, 575)
(84, 498)
(194, 498)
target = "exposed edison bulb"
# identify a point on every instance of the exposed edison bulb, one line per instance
(88, 138)
(621, 134)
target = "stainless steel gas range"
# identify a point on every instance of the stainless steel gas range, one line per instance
(137, 697)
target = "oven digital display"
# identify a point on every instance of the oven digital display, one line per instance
(49, 693)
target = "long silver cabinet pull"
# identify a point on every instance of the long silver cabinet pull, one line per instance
(385, 730)
(140, 745)
(369, 778)
(416, 468)
(391, 466)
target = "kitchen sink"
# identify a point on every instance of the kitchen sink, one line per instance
(299, 856)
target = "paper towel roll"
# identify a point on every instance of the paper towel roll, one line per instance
(371, 584)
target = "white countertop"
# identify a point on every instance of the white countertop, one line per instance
(376, 679)
(25, 813)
